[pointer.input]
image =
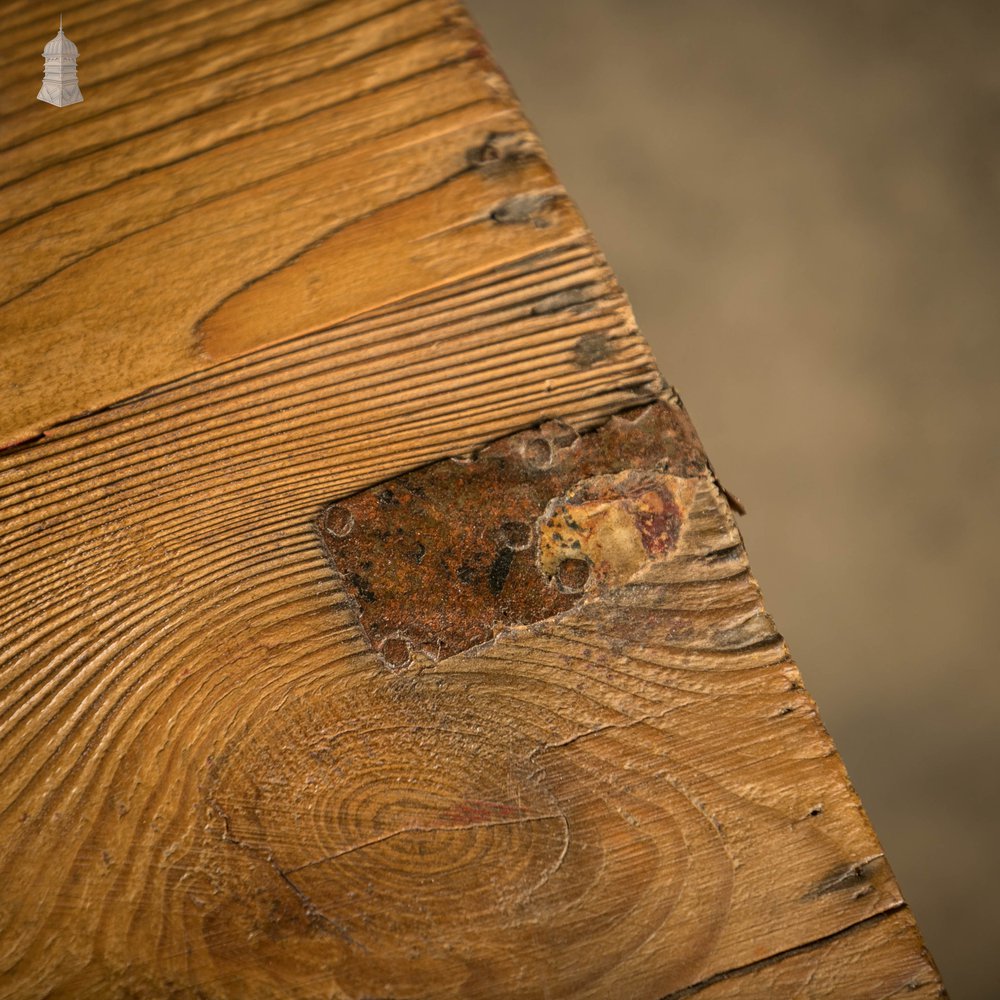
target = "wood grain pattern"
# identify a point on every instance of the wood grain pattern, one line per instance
(223, 185)
(316, 248)
(256, 806)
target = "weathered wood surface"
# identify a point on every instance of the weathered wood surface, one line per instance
(282, 253)
(240, 174)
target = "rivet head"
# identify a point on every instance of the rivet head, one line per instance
(339, 521)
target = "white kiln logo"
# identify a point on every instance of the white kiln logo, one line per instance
(60, 86)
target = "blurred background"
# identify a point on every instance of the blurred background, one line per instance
(801, 200)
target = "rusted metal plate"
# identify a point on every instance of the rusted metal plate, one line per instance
(444, 558)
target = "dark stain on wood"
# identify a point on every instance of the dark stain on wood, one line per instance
(521, 209)
(854, 876)
(501, 149)
(592, 348)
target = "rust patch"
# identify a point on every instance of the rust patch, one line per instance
(443, 558)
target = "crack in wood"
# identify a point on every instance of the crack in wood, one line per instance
(780, 956)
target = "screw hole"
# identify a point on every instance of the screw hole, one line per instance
(515, 534)
(538, 452)
(572, 575)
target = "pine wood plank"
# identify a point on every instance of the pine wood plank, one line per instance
(344, 256)
(209, 178)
